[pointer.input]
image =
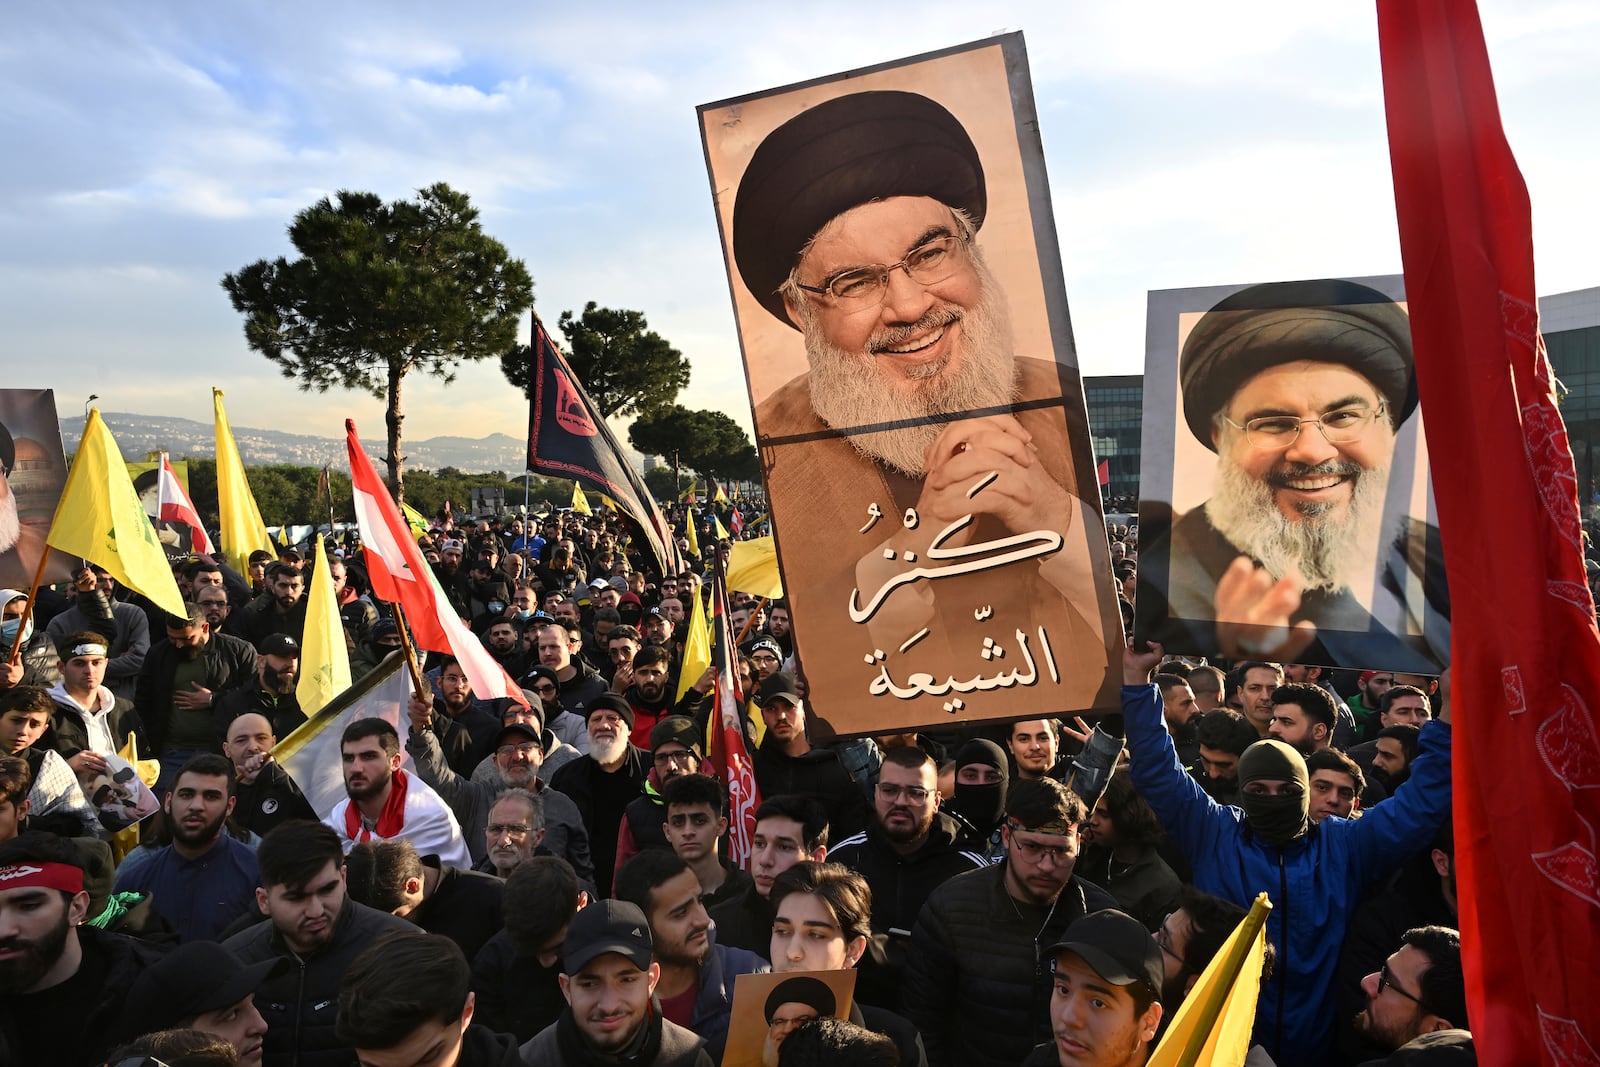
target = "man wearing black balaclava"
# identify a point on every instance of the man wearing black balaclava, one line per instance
(1313, 874)
(982, 775)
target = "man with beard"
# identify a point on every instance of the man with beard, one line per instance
(264, 793)
(317, 932)
(975, 980)
(62, 982)
(648, 695)
(465, 726)
(1303, 717)
(1418, 999)
(1314, 874)
(213, 604)
(384, 801)
(518, 754)
(181, 682)
(605, 781)
(505, 645)
(206, 878)
(271, 693)
(778, 626)
(1299, 388)
(515, 833)
(856, 222)
(609, 979)
(280, 610)
(697, 974)
(908, 850)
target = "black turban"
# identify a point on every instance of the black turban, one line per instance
(839, 155)
(810, 991)
(1281, 322)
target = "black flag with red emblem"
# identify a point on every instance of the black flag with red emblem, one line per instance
(567, 438)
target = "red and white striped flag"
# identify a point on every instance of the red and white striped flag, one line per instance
(175, 506)
(400, 575)
(730, 759)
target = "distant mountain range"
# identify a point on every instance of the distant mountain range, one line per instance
(140, 434)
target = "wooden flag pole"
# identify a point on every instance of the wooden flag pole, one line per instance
(27, 612)
(418, 686)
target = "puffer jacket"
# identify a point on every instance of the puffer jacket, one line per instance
(1314, 883)
(901, 884)
(976, 982)
(301, 1004)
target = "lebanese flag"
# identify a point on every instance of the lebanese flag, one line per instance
(175, 506)
(736, 522)
(401, 576)
(730, 759)
(1526, 651)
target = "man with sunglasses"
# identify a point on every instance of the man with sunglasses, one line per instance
(977, 974)
(1299, 388)
(1418, 999)
(857, 224)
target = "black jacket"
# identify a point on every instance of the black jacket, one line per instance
(464, 906)
(820, 775)
(745, 921)
(601, 799)
(515, 995)
(976, 982)
(272, 798)
(68, 735)
(483, 1047)
(301, 1003)
(283, 712)
(901, 884)
(558, 1045)
(228, 661)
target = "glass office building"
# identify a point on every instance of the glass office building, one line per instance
(1116, 407)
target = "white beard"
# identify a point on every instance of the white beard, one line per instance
(855, 389)
(608, 751)
(10, 523)
(1327, 551)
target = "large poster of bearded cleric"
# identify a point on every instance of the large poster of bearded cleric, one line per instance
(33, 471)
(899, 295)
(1286, 511)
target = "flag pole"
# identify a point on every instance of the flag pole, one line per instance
(418, 686)
(27, 612)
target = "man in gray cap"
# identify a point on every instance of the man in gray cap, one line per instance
(918, 436)
(1299, 388)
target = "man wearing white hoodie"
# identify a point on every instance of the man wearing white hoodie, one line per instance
(89, 722)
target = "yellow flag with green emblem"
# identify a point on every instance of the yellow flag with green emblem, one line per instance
(101, 520)
(324, 659)
(580, 503)
(239, 524)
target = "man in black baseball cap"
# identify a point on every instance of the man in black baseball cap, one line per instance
(1300, 389)
(202, 986)
(609, 976)
(857, 223)
(1105, 1001)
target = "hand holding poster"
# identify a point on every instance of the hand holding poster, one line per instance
(917, 404)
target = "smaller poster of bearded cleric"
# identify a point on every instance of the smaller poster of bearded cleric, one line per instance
(1286, 512)
(898, 288)
(33, 471)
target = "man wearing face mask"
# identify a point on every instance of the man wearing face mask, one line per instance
(979, 799)
(37, 664)
(1313, 874)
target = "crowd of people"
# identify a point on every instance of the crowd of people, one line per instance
(549, 882)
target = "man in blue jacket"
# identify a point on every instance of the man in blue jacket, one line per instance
(1313, 874)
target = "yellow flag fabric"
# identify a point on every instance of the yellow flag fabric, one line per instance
(688, 494)
(414, 519)
(324, 659)
(149, 770)
(694, 534)
(720, 530)
(1214, 1022)
(239, 521)
(580, 503)
(721, 497)
(696, 645)
(101, 520)
(753, 568)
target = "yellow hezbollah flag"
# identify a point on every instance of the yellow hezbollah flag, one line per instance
(414, 519)
(720, 530)
(696, 644)
(101, 519)
(721, 497)
(1214, 1022)
(239, 522)
(580, 503)
(690, 521)
(753, 568)
(324, 660)
(687, 495)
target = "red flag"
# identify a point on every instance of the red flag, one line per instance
(736, 522)
(730, 759)
(400, 575)
(174, 505)
(1103, 472)
(1526, 651)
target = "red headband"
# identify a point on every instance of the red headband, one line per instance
(45, 875)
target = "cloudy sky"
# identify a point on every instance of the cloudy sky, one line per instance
(152, 148)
